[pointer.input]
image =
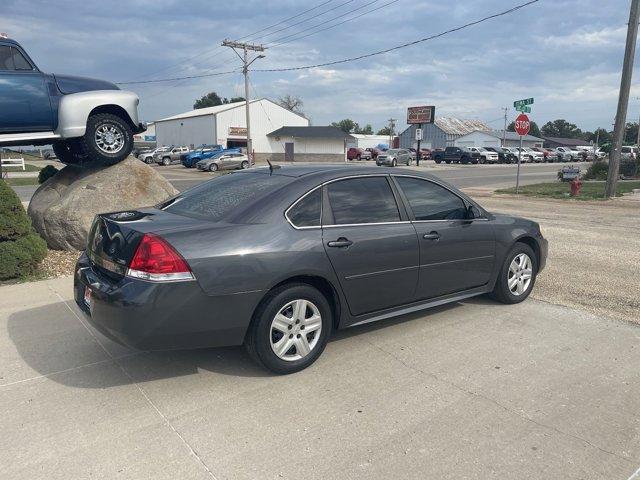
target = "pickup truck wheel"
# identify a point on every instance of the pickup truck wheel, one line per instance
(482, 160)
(166, 161)
(108, 139)
(69, 152)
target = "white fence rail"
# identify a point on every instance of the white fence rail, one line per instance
(13, 162)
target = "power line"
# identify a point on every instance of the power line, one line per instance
(211, 50)
(322, 23)
(404, 45)
(273, 45)
(350, 59)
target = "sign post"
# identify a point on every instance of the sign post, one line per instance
(418, 116)
(522, 126)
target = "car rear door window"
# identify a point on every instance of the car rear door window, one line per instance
(362, 200)
(430, 201)
(306, 213)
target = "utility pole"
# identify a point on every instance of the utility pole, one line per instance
(246, 48)
(623, 99)
(504, 131)
(392, 125)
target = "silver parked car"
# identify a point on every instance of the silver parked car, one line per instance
(171, 155)
(394, 156)
(227, 161)
(147, 157)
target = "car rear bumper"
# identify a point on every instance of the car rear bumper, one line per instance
(161, 316)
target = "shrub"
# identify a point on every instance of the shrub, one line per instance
(21, 248)
(46, 173)
(629, 167)
(597, 171)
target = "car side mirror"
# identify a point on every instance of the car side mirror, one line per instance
(473, 212)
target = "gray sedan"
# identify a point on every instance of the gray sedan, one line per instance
(278, 258)
(394, 156)
(228, 161)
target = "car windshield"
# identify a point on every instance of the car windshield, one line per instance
(217, 198)
(394, 151)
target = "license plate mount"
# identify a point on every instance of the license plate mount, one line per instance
(87, 296)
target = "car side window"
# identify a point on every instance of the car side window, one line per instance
(19, 62)
(6, 60)
(307, 212)
(362, 200)
(430, 201)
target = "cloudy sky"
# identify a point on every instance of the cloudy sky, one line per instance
(567, 54)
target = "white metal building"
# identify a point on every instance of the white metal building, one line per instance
(309, 144)
(226, 125)
(493, 138)
(368, 141)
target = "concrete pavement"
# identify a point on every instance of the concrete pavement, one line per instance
(474, 390)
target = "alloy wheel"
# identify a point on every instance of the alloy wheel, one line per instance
(109, 138)
(295, 330)
(520, 274)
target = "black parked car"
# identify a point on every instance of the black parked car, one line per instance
(277, 259)
(504, 156)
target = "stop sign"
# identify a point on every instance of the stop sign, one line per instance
(522, 125)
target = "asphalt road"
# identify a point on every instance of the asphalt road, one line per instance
(473, 390)
(462, 176)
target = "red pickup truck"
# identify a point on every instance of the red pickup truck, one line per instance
(358, 154)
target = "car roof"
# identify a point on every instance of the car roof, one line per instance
(9, 40)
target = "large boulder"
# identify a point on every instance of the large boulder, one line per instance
(64, 206)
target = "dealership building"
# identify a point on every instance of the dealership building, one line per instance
(443, 132)
(226, 125)
(493, 138)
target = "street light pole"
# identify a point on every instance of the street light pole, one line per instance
(246, 47)
(623, 99)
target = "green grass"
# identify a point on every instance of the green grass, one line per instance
(21, 182)
(27, 168)
(590, 190)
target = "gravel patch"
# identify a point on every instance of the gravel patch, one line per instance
(594, 252)
(59, 263)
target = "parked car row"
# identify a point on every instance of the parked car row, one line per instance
(168, 155)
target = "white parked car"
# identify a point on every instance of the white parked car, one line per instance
(486, 156)
(532, 155)
(566, 154)
(627, 152)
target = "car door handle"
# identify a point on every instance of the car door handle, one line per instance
(341, 242)
(431, 236)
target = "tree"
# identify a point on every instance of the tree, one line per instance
(367, 130)
(599, 136)
(292, 103)
(533, 128)
(631, 133)
(561, 128)
(347, 125)
(384, 131)
(212, 99)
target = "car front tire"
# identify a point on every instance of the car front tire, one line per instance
(108, 139)
(290, 328)
(517, 275)
(213, 167)
(166, 161)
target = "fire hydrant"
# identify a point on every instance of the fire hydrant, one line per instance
(576, 185)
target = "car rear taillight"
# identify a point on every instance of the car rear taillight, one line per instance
(157, 261)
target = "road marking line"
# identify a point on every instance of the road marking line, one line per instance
(140, 389)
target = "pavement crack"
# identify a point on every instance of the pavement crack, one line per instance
(165, 420)
(495, 402)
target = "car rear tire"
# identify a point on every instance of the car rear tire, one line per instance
(290, 328)
(148, 160)
(517, 275)
(213, 167)
(108, 139)
(70, 152)
(166, 161)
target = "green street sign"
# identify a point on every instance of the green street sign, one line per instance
(523, 108)
(526, 101)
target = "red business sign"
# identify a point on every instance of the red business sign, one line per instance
(424, 114)
(522, 125)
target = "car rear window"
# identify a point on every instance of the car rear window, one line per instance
(219, 197)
